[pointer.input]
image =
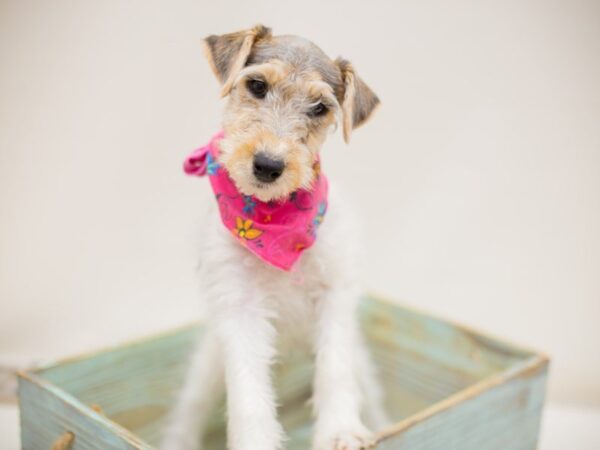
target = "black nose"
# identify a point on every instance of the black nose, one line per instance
(267, 169)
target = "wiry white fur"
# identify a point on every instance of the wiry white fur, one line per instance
(250, 305)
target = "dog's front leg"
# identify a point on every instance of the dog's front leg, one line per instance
(247, 335)
(202, 390)
(337, 391)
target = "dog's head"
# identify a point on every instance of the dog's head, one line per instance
(284, 94)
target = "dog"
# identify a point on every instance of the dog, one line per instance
(292, 275)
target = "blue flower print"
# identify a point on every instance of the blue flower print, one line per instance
(211, 165)
(320, 214)
(249, 205)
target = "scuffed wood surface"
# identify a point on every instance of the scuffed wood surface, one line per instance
(502, 412)
(447, 387)
(47, 413)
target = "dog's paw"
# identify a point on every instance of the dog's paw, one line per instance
(356, 438)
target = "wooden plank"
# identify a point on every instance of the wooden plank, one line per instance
(453, 345)
(502, 412)
(47, 413)
(423, 360)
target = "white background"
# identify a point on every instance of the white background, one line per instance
(478, 180)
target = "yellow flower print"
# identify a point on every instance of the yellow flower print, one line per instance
(244, 230)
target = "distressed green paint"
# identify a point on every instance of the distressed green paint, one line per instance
(505, 417)
(47, 412)
(447, 387)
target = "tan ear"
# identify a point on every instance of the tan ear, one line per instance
(359, 100)
(228, 53)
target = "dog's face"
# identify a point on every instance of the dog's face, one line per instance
(284, 95)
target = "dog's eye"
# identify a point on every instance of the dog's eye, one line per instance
(258, 88)
(318, 110)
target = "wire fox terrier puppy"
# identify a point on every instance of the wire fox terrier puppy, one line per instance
(284, 96)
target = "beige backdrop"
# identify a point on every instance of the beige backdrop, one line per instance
(478, 180)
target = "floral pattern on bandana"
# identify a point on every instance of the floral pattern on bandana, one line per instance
(278, 232)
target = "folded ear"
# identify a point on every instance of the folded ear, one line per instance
(228, 53)
(359, 100)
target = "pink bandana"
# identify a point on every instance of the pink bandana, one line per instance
(277, 232)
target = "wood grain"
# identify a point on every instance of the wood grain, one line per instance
(447, 387)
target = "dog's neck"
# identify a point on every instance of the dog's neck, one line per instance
(278, 232)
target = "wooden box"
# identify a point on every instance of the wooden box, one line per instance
(447, 388)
